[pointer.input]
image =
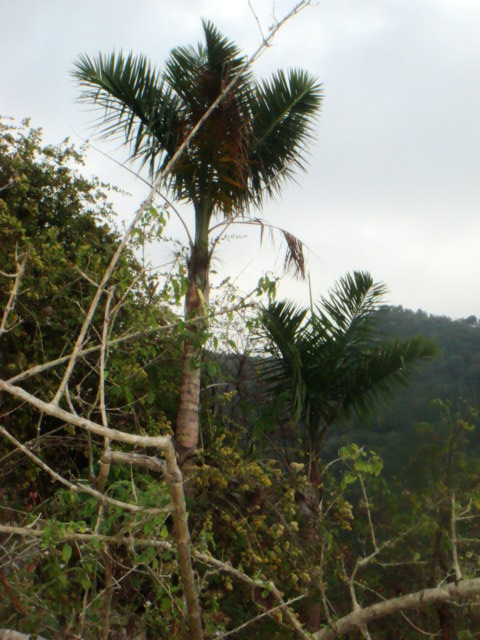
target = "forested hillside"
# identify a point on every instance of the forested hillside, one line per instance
(452, 377)
(456, 372)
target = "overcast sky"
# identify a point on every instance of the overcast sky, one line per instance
(393, 184)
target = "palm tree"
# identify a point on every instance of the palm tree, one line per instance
(253, 142)
(327, 361)
(330, 360)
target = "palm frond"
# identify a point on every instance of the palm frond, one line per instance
(215, 165)
(294, 256)
(221, 55)
(253, 141)
(351, 303)
(283, 113)
(284, 327)
(389, 365)
(134, 100)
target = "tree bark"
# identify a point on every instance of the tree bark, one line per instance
(182, 541)
(8, 634)
(187, 423)
(309, 510)
(196, 299)
(362, 616)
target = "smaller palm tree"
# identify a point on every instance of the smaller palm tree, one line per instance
(331, 360)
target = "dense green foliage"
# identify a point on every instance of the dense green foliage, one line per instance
(62, 224)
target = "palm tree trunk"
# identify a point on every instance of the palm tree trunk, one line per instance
(196, 299)
(309, 535)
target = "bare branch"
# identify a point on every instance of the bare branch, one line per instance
(147, 462)
(40, 368)
(78, 488)
(86, 276)
(226, 567)
(182, 539)
(8, 634)
(259, 617)
(104, 466)
(425, 597)
(161, 442)
(369, 514)
(257, 20)
(13, 294)
(167, 201)
(73, 536)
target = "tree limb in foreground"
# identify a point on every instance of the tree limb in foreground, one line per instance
(355, 619)
(8, 634)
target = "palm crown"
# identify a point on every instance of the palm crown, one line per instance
(331, 360)
(252, 141)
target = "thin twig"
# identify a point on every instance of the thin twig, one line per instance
(259, 617)
(257, 20)
(13, 294)
(456, 565)
(137, 175)
(369, 514)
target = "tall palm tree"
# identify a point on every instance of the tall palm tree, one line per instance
(253, 142)
(331, 360)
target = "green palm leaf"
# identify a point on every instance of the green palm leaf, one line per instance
(387, 366)
(283, 112)
(134, 100)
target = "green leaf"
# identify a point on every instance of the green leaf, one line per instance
(348, 478)
(164, 532)
(128, 394)
(165, 604)
(62, 578)
(85, 582)
(66, 552)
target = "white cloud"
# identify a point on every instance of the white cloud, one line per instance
(393, 182)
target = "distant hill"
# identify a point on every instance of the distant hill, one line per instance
(454, 376)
